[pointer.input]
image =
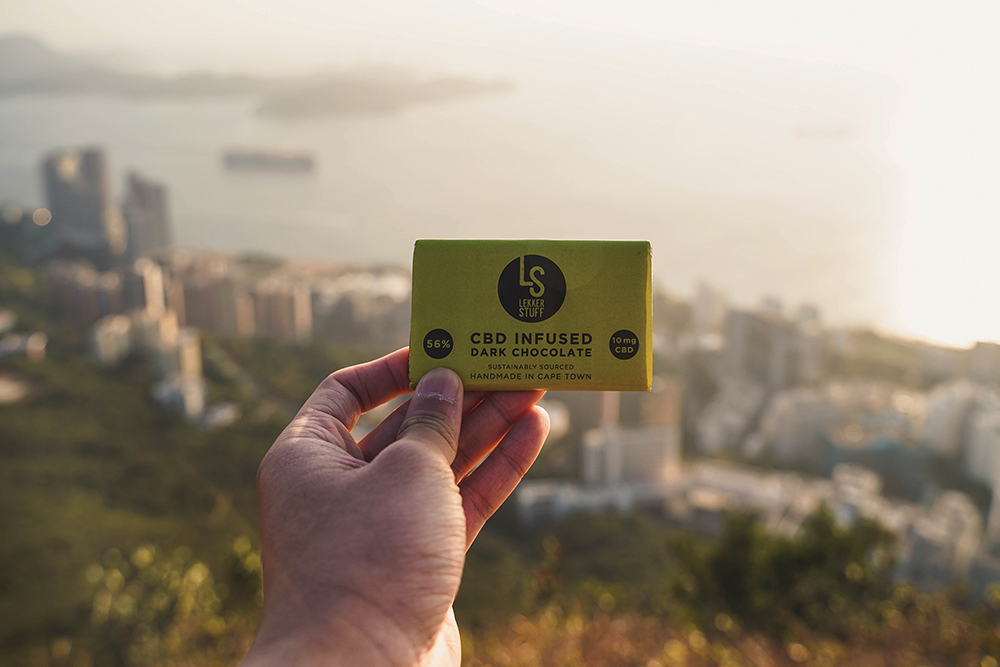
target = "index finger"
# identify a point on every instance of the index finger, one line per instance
(350, 392)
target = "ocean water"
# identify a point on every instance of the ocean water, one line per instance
(727, 185)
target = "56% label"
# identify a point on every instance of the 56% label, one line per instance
(438, 344)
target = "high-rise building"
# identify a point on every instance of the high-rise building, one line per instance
(727, 419)
(174, 292)
(613, 454)
(761, 348)
(794, 421)
(283, 310)
(940, 364)
(84, 215)
(111, 339)
(807, 313)
(73, 292)
(189, 353)
(992, 536)
(144, 287)
(110, 299)
(981, 458)
(182, 357)
(984, 363)
(948, 408)
(708, 309)
(772, 306)
(146, 215)
(179, 364)
(155, 332)
(182, 394)
(662, 405)
(199, 302)
(234, 312)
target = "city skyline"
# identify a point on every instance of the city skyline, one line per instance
(938, 122)
(142, 218)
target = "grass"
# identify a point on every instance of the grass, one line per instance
(89, 463)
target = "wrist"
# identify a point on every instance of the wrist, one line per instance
(340, 639)
(345, 647)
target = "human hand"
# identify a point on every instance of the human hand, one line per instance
(363, 543)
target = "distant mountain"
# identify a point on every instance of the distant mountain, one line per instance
(346, 95)
(29, 67)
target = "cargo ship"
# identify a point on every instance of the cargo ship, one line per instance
(268, 160)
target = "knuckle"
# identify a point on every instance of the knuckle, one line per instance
(518, 465)
(478, 502)
(353, 382)
(335, 399)
(463, 461)
(331, 380)
(508, 407)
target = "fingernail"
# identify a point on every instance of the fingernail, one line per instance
(442, 384)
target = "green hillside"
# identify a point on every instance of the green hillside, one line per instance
(90, 463)
(129, 537)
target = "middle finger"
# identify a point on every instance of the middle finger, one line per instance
(485, 426)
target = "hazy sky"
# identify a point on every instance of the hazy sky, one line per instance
(944, 58)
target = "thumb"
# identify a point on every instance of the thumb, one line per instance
(435, 413)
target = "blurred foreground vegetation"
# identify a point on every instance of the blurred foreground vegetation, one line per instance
(129, 537)
(600, 590)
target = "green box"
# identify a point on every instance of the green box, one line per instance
(533, 314)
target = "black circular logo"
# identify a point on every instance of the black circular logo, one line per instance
(531, 288)
(438, 344)
(624, 344)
